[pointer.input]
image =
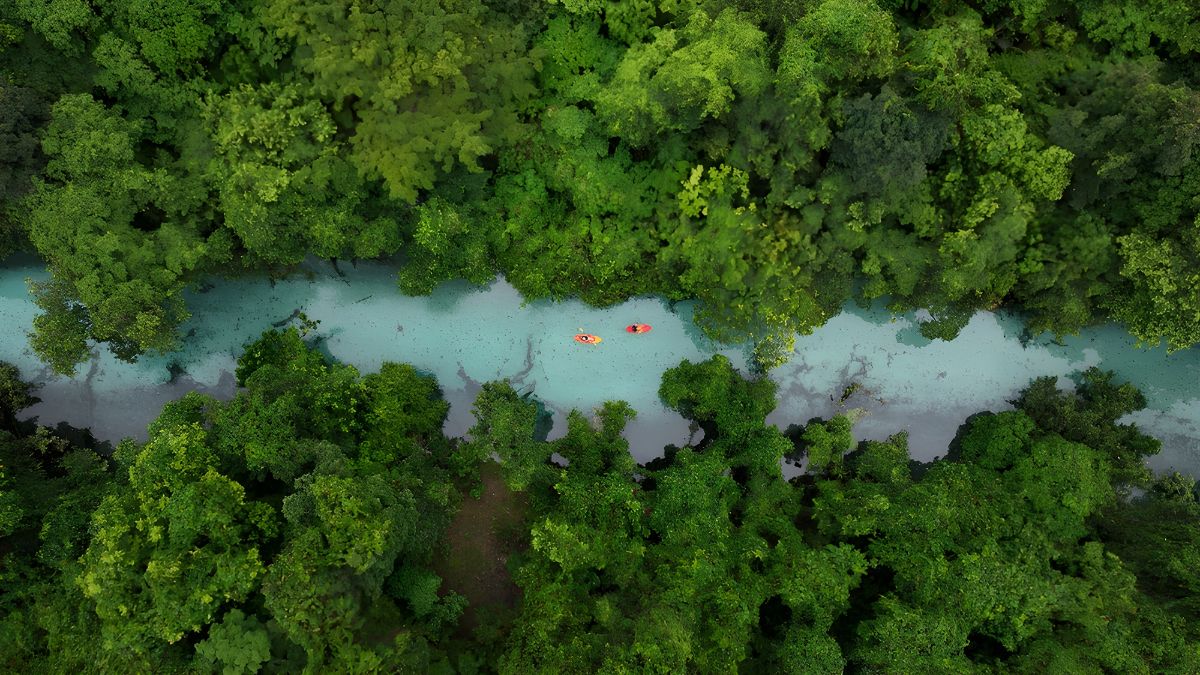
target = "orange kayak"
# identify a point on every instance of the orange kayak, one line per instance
(588, 339)
(638, 328)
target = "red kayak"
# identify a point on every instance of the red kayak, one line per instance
(638, 328)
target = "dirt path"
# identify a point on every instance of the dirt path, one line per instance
(483, 534)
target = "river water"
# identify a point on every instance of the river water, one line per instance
(466, 335)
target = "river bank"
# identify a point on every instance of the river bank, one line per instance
(465, 335)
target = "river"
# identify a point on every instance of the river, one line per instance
(466, 335)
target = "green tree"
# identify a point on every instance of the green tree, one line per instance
(194, 553)
(712, 393)
(1089, 415)
(48, 490)
(239, 644)
(294, 524)
(504, 425)
(113, 280)
(60, 22)
(850, 40)
(278, 165)
(684, 77)
(429, 84)
(447, 244)
(824, 443)
(1164, 302)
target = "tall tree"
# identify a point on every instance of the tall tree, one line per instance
(429, 84)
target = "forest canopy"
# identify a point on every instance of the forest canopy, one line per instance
(305, 526)
(771, 159)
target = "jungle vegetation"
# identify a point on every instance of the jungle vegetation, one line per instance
(299, 527)
(773, 159)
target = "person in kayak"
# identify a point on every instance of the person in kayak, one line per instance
(588, 339)
(638, 328)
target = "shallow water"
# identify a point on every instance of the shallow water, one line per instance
(465, 335)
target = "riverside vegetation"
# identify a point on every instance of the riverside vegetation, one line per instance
(771, 159)
(301, 527)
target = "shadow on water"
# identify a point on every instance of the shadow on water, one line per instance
(320, 343)
(877, 312)
(446, 297)
(545, 421)
(911, 336)
(686, 311)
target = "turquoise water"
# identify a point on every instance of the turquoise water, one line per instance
(465, 335)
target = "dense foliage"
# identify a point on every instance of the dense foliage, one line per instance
(296, 528)
(995, 559)
(290, 528)
(772, 159)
